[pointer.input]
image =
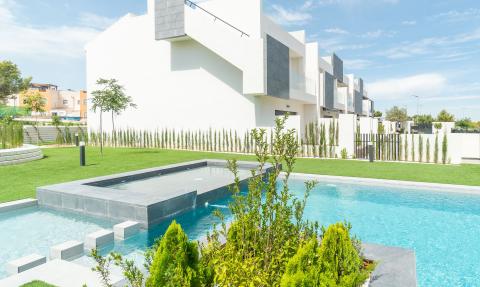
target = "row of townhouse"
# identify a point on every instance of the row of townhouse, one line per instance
(219, 64)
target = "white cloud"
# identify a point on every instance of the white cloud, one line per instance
(423, 85)
(458, 16)
(39, 42)
(356, 2)
(430, 45)
(336, 30)
(287, 17)
(377, 34)
(357, 64)
(95, 21)
(409, 22)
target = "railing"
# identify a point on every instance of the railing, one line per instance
(215, 18)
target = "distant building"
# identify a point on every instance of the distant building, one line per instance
(67, 104)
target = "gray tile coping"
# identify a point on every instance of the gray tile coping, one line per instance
(67, 251)
(98, 238)
(14, 205)
(466, 189)
(396, 266)
(95, 196)
(126, 229)
(25, 263)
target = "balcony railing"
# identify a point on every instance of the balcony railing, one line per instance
(215, 18)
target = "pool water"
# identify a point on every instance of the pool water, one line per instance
(35, 230)
(443, 228)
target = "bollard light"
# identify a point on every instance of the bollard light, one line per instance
(76, 139)
(82, 153)
(371, 152)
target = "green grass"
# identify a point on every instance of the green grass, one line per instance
(62, 165)
(37, 284)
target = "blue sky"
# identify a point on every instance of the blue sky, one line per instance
(399, 47)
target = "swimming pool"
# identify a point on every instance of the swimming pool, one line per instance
(35, 230)
(442, 227)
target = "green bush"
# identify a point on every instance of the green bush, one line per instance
(176, 260)
(11, 135)
(335, 263)
(344, 153)
(444, 148)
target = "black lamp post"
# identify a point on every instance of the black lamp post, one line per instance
(82, 153)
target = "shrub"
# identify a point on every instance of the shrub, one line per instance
(335, 263)
(420, 149)
(444, 148)
(435, 151)
(11, 135)
(339, 257)
(176, 260)
(344, 153)
(428, 151)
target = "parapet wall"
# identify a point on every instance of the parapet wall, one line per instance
(20, 155)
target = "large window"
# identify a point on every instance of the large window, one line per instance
(65, 102)
(282, 113)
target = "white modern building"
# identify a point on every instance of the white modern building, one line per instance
(218, 64)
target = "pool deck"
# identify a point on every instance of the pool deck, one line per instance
(96, 197)
(466, 189)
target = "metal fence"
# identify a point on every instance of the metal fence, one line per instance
(386, 146)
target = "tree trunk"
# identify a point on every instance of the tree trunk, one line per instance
(101, 133)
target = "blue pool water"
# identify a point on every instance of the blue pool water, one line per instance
(442, 228)
(35, 230)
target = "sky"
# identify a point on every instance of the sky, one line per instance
(401, 48)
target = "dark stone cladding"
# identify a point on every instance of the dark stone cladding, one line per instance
(329, 91)
(278, 69)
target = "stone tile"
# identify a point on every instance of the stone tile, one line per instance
(67, 251)
(25, 263)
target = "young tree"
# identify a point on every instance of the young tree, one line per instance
(397, 114)
(11, 81)
(377, 114)
(100, 99)
(445, 116)
(34, 102)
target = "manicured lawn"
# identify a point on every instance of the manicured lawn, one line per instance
(37, 284)
(62, 165)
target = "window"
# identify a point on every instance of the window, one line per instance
(78, 102)
(65, 102)
(85, 101)
(282, 113)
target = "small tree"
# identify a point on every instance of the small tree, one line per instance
(445, 116)
(420, 148)
(11, 81)
(100, 102)
(428, 150)
(377, 114)
(176, 260)
(116, 99)
(444, 148)
(435, 150)
(397, 114)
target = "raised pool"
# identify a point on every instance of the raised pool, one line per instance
(442, 227)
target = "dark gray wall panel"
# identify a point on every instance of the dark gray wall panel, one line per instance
(278, 69)
(169, 19)
(372, 106)
(329, 89)
(337, 64)
(358, 103)
(360, 85)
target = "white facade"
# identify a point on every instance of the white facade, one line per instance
(218, 64)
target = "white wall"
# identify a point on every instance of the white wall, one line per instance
(346, 135)
(368, 125)
(470, 145)
(176, 85)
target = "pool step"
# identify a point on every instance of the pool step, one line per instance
(98, 239)
(25, 263)
(126, 229)
(67, 251)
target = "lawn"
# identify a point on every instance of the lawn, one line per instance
(62, 165)
(37, 284)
